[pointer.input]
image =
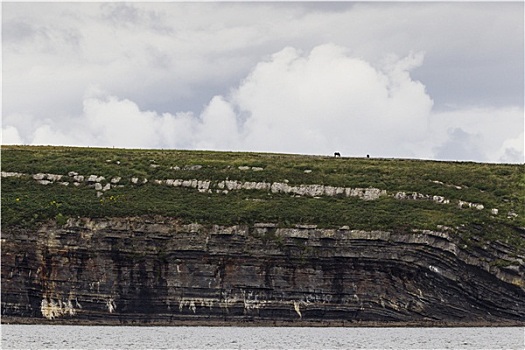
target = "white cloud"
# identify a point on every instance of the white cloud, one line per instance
(198, 75)
(328, 101)
(477, 134)
(315, 103)
(10, 136)
(177, 56)
(51, 134)
(511, 151)
(218, 128)
(119, 122)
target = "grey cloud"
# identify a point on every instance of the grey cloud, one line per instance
(175, 57)
(129, 15)
(158, 58)
(17, 35)
(460, 146)
(321, 6)
(16, 31)
(472, 50)
(512, 155)
(294, 102)
(120, 14)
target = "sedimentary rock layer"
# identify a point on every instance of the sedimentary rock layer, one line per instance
(156, 269)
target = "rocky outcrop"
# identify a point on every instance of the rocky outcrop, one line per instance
(147, 269)
(101, 185)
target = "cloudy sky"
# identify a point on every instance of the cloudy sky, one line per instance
(432, 80)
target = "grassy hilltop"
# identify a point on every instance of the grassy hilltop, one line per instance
(26, 203)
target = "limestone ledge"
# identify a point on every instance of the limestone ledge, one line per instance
(101, 185)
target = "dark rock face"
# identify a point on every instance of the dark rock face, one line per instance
(157, 270)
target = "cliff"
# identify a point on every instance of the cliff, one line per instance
(462, 266)
(158, 270)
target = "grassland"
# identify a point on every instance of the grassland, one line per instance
(25, 203)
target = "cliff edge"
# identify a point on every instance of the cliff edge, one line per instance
(286, 239)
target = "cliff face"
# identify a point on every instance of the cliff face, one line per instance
(154, 269)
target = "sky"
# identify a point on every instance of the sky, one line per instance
(428, 80)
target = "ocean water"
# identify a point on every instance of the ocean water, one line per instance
(119, 337)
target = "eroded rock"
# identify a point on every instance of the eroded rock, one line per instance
(159, 270)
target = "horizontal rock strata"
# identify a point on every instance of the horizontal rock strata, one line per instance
(158, 270)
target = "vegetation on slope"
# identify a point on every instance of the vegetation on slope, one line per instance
(26, 203)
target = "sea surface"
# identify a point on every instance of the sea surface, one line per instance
(120, 337)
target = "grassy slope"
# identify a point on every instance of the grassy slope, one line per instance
(25, 203)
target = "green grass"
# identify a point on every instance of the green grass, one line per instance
(502, 186)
